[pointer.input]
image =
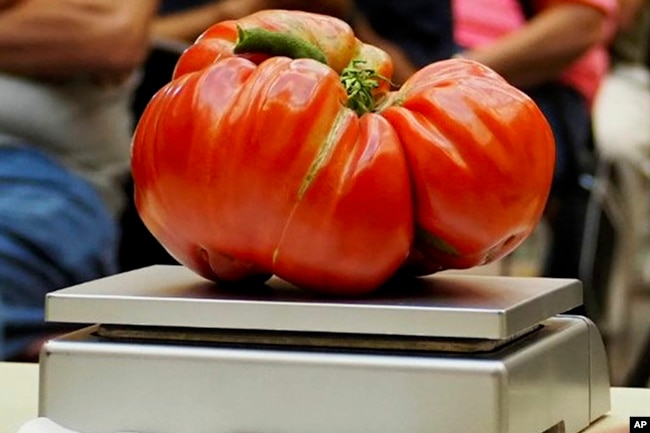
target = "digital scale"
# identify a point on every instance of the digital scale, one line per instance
(166, 351)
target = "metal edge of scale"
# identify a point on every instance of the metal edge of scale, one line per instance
(444, 305)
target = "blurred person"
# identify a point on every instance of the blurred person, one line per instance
(414, 33)
(556, 51)
(66, 77)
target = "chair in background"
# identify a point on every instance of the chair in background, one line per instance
(616, 232)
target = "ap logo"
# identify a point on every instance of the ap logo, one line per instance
(639, 424)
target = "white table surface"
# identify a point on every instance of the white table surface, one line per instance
(19, 400)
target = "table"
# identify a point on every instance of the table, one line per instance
(18, 395)
(19, 400)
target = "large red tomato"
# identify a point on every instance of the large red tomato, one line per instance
(279, 148)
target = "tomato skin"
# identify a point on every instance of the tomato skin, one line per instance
(251, 165)
(232, 196)
(481, 156)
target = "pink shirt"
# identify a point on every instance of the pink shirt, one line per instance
(479, 22)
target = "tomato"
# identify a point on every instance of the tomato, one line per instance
(279, 147)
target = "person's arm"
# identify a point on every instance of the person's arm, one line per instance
(6, 3)
(187, 25)
(65, 39)
(546, 46)
(628, 10)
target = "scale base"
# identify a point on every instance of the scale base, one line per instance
(554, 379)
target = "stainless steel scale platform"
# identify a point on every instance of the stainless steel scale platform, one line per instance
(166, 351)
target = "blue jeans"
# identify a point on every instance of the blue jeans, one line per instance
(54, 232)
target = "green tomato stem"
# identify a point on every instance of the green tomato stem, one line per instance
(257, 40)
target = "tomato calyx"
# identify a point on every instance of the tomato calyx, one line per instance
(359, 84)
